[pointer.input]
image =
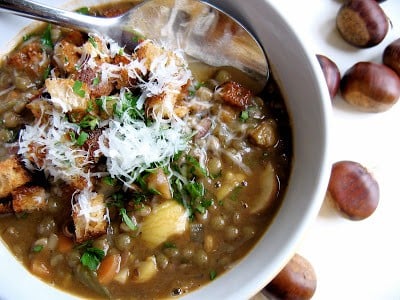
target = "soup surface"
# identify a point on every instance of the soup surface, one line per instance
(122, 175)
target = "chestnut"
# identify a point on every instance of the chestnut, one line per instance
(297, 280)
(391, 56)
(362, 23)
(331, 73)
(353, 189)
(370, 86)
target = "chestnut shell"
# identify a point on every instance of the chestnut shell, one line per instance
(362, 23)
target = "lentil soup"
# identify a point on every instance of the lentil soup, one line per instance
(122, 175)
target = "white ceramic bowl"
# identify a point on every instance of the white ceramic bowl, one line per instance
(307, 99)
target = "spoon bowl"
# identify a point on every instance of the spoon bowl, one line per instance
(204, 32)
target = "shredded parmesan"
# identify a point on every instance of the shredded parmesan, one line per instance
(133, 147)
(129, 143)
(47, 147)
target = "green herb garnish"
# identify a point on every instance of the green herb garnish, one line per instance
(46, 38)
(169, 245)
(93, 41)
(213, 274)
(244, 115)
(109, 180)
(37, 248)
(89, 121)
(26, 37)
(127, 220)
(46, 72)
(77, 89)
(82, 138)
(83, 10)
(96, 81)
(92, 257)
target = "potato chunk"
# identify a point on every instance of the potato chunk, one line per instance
(268, 188)
(146, 269)
(167, 219)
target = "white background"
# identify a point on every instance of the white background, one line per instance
(354, 259)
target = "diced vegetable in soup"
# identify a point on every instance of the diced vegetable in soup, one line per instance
(124, 176)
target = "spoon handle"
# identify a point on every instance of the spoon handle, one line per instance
(42, 12)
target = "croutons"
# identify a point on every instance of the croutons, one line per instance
(30, 61)
(162, 62)
(12, 176)
(68, 94)
(235, 94)
(28, 198)
(89, 216)
(66, 55)
(264, 134)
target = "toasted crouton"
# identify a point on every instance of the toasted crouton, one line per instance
(68, 94)
(168, 80)
(147, 52)
(235, 94)
(12, 176)
(165, 105)
(28, 198)
(89, 216)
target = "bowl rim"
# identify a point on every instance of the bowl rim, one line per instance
(250, 288)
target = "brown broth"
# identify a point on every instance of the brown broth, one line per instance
(223, 227)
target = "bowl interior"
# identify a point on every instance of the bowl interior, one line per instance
(307, 100)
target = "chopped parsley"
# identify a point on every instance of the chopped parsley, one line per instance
(96, 81)
(244, 115)
(91, 257)
(45, 39)
(213, 274)
(93, 42)
(83, 10)
(169, 245)
(46, 72)
(77, 89)
(37, 248)
(109, 180)
(127, 220)
(89, 121)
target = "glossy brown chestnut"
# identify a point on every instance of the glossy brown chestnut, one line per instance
(331, 73)
(370, 86)
(362, 23)
(353, 189)
(391, 56)
(297, 280)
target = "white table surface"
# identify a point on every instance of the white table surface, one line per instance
(355, 259)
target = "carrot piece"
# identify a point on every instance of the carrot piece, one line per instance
(109, 267)
(65, 244)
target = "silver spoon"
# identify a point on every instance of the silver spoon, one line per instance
(201, 30)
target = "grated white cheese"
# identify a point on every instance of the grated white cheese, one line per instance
(133, 147)
(50, 149)
(84, 205)
(130, 145)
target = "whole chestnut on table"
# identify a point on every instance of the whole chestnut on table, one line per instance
(296, 281)
(370, 86)
(362, 23)
(353, 189)
(391, 56)
(331, 73)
